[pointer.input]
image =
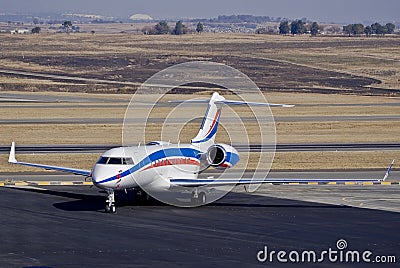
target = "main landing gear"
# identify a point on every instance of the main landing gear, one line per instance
(198, 198)
(110, 203)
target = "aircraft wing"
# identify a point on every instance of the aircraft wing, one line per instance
(13, 160)
(225, 182)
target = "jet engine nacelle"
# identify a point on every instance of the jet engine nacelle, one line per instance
(221, 156)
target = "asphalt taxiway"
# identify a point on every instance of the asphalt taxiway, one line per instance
(66, 227)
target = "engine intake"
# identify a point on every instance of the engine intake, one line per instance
(216, 155)
(220, 156)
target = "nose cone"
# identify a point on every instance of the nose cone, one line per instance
(100, 176)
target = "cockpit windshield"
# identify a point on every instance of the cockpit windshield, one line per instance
(115, 161)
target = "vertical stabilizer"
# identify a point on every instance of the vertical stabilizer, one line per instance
(388, 171)
(209, 126)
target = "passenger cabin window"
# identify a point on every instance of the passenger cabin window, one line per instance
(115, 161)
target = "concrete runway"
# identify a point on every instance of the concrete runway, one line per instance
(65, 227)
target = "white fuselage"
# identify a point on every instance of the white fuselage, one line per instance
(149, 165)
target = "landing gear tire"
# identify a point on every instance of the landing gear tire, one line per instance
(110, 209)
(113, 209)
(202, 198)
(198, 199)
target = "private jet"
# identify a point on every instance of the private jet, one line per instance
(162, 166)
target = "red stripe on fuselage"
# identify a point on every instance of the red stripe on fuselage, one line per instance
(172, 162)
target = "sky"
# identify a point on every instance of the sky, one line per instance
(350, 11)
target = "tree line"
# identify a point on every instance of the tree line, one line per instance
(163, 28)
(299, 27)
(359, 29)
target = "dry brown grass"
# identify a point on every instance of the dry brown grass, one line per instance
(368, 57)
(282, 161)
(145, 55)
(287, 132)
(61, 134)
(334, 160)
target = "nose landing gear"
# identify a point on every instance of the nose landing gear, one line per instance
(110, 203)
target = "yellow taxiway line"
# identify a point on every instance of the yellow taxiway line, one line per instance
(89, 183)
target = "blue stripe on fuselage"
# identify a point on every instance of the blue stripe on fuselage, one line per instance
(158, 155)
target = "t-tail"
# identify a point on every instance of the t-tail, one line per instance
(206, 135)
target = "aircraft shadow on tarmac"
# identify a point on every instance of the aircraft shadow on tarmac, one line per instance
(91, 202)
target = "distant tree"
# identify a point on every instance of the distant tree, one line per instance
(297, 27)
(347, 29)
(36, 30)
(314, 29)
(284, 27)
(179, 28)
(92, 32)
(375, 28)
(382, 30)
(199, 27)
(67, 24)
(390, 27)
(161, 28)
(368, 31)
(35, 21)
(357, 29)
(354, 29)
(379, 29)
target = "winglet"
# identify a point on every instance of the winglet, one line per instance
(388, 171)
(11, 158)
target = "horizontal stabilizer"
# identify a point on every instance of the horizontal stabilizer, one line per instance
(229, 102)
